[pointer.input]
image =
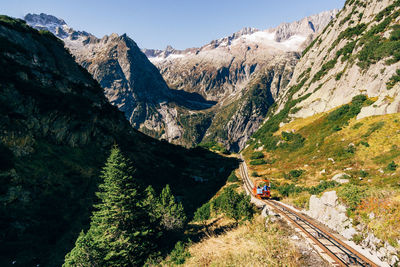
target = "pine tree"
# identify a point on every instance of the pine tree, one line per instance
(120, 231)
(172, 213)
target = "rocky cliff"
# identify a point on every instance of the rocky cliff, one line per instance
(129, 80)
(232, 70)
(56, 130)
(358, 53)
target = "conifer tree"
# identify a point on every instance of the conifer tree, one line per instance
(120, 231)
(172, 213)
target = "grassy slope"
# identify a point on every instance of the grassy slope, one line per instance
(224, 243)
(376, 142)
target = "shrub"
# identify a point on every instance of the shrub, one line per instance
(296, 173)
(351, 149)
(393, 80)
(179, 254)
(364, 143)
(338, 76)
(363, 173)
(255, 174)
(324, 70)
(293, 175)
(234, 205)
(392, 166)
(289, 189)
(257, 155)
(357, 125)
(357, 238)
(336, 128)
(293, 140)
(258, 162)
(232, 177)
(352, 195)
(202, 214)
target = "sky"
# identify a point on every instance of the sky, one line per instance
(179, 23)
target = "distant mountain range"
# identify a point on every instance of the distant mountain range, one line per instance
(204, 94)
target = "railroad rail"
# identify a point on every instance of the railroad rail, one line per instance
(339, 252)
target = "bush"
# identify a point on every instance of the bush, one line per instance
(392, 166)
(293, 141)
(234, 205)
(232, 177)
(352, 195)
(255, 174)
(393, 80)
(363, 173)
(179, 254)
(202, 214)
(357, 125)
(296, 173)
(324, 70)
(293, 175)
(258, 162)
(364, 143)
(257, 155)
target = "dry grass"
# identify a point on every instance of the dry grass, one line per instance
(250, 244)
(381, 213)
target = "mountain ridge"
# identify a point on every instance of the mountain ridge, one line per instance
(202, 94)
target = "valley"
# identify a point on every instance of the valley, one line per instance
(257, 148)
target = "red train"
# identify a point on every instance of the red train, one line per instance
(262, 189)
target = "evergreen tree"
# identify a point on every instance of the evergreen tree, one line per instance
(171, 213)
(120, 231)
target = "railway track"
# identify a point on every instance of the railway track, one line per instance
(339, 252)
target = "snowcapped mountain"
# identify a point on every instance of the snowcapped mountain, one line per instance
(219, 92)
(234, 58)
(228, 70)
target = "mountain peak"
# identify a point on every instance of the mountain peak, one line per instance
(306, 26)
(43, 20)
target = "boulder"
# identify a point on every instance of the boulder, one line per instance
(340, 178)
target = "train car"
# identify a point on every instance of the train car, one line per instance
(262, 189)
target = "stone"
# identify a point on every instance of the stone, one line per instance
(340, 178)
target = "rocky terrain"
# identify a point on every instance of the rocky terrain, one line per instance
(224, 66)
(328, 210)
(129, 80)
(57, 128)
(357, 53)
(241, 75)
(244, 73)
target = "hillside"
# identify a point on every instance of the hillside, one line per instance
(356, 158)
(357, 53)
(337, 129)
(57, 128)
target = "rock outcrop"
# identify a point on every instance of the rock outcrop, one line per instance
(329, 211)
(358, 53)
(129, 80)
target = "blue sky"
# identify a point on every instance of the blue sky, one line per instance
(180, 23)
